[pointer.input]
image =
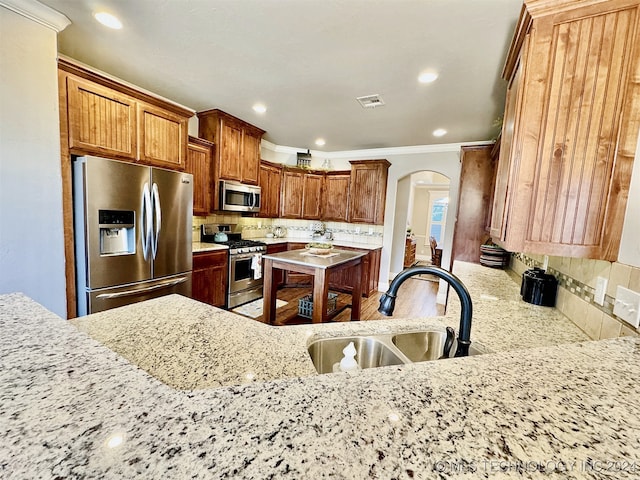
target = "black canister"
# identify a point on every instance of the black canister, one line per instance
(539, 288)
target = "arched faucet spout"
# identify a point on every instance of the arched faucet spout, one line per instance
(388, 301)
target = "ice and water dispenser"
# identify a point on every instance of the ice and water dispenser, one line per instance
(117, 232)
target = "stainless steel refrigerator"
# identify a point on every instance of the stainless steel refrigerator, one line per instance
(132, 233)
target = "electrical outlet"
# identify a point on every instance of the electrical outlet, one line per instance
(545, 265)
(627, 306)
(601, 288)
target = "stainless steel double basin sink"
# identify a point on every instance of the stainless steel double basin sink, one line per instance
(381, 350)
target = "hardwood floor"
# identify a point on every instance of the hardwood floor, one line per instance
(416, 298)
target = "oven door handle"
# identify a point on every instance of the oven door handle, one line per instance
(245, 256)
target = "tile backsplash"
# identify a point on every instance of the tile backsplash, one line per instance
(576, 288)
(252, 227)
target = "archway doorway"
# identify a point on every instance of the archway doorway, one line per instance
(427, 211)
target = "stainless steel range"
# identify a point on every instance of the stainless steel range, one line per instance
(245, 263)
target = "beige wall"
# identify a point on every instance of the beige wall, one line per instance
(31, 233)
(577, 280)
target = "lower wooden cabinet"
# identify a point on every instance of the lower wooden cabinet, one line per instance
(278, 274)
(343, 280)
(210, 277)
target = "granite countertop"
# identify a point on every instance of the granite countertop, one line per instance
(198, 247)
(72, 408)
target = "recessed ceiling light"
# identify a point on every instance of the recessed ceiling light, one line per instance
(259, 108)
(320, 142)
(108, 20)
(427, 77)
(439, 132)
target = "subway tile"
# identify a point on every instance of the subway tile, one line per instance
(628, 331)
(600, 268)
(576, 311)
(611, 327)
(620, 275)
(634, 279)
(593, 322)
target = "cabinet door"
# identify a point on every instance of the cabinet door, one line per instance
(508, 155)
(101, 121)
(270, 179)
(230, 149)
(368, 191)
(250, 157)
(210, 277)
(162, 137)
(476, 175)
(198, 164)
(291, 198)
(569, 173)
(312, 196)
(336, 197)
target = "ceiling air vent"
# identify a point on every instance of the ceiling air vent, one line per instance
(370, 101)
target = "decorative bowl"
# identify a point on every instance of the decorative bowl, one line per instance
(317, 248)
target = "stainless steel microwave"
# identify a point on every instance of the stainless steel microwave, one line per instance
(238, 197)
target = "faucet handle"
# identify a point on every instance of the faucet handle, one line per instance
(451, 335)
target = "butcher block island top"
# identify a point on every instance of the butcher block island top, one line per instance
(172, 388)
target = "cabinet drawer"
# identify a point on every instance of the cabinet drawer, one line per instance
(209, 259)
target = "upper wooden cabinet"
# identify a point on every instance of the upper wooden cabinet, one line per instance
(112, 119)
(570, 128)
(336, 196)
(312, 196)
(474, 196)
(237, 154)
(270, 184)
(368, 191)
(291, 197)
(199, 163)
(162, 137)
(100, 120)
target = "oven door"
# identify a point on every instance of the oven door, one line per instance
(241, 275)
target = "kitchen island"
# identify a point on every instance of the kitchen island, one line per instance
(320, 266)
(138, 398)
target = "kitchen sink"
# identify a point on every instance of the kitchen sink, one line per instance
(372, 352)
(382, 350)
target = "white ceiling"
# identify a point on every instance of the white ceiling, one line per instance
(308, 60)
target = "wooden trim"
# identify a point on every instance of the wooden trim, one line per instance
(271, 164)
(384, 162)
(522, 30)
(67, 198)
(227, 116)
(200, 141)
(541, 8)
(84, 71)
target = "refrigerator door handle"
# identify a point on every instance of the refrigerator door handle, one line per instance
(158, 211)
(137, 291)
(145, 221)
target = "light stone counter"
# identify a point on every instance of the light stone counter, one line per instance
(198, 247)
(335, 243)
(72, 408)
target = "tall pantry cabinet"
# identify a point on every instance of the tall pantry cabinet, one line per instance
(570, 128)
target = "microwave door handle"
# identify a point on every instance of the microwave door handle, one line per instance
(253, 199)
(158, 211)
(145, 221)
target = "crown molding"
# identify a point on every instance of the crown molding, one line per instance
(376, 152)
(38, 13)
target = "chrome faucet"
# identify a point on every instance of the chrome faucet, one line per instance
(388, 301)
